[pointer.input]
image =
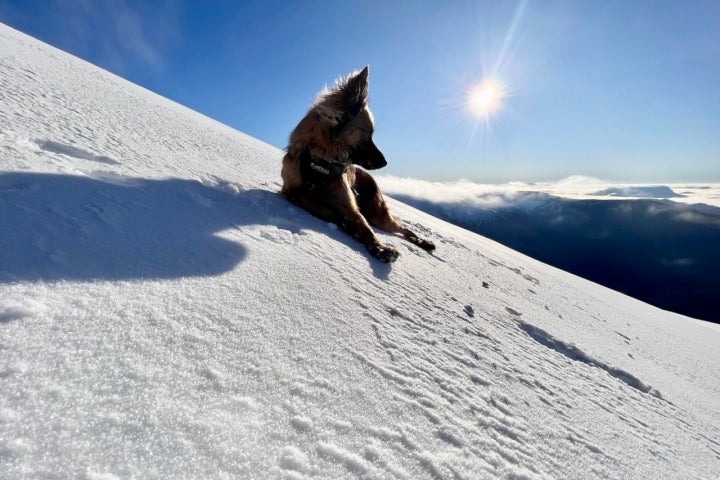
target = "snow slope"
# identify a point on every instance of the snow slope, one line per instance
(165, 314)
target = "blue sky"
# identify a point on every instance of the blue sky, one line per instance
(619, 90)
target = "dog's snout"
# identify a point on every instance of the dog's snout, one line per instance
(370, 157)
(382, 162)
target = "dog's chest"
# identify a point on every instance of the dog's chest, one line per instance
(318, 173)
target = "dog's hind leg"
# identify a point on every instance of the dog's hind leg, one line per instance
(373, 207)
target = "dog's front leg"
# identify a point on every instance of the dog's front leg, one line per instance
(373, 207)
(354, 223)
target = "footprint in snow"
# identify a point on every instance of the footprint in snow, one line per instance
(301, 424)
(292, 458)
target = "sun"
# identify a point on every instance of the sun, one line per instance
(485, 98)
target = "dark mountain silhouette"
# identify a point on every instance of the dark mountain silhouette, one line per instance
(661, 252)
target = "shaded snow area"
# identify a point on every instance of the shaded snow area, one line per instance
(164, 313)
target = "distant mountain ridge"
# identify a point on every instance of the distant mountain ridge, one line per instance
(656, 192)
(662, 252)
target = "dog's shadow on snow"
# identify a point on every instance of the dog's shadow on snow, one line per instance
(110, 227)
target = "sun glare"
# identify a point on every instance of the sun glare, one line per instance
(485, 99)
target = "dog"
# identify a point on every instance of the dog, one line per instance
(320, 170)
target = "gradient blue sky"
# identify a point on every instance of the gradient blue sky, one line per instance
(624, 90)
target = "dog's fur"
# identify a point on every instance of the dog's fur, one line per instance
(338, 131)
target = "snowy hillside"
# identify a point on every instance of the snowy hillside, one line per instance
(164, 313)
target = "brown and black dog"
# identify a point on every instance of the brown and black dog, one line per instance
(319, 170)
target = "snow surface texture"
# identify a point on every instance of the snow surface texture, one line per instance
(164, 313)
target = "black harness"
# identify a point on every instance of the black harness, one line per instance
(318, 172)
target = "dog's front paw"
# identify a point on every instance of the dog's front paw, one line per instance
(383, 253)
(426, 245)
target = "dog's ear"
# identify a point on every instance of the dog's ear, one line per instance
(345, 100)
(356, 90)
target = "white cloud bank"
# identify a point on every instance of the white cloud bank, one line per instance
(574, 187)
(460, 192)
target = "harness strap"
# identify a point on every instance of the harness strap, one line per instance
(318, 172)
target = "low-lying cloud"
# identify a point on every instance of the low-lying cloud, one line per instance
(459, 192)
(467, 192)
